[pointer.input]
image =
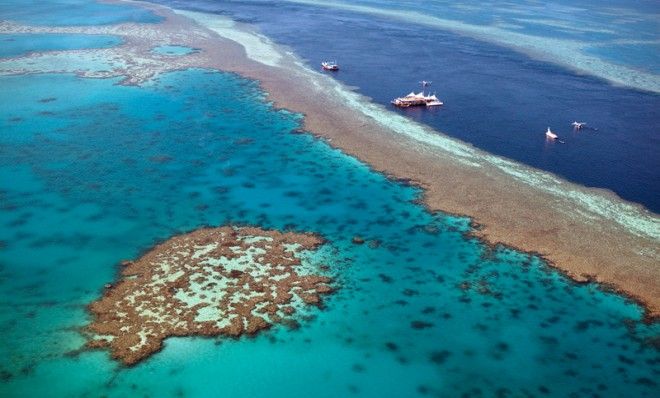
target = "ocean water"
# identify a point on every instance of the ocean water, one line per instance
(93, 172)
(72, 12)
(643, 56)
(558, 31)
(421, 309)
(13, 45)
(497, 99)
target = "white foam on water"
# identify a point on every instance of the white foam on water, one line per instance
(568, 53)
(591, 204)
(258, 47)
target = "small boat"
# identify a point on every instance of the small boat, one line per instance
(327, 65)
(578, 125)
(550, 134)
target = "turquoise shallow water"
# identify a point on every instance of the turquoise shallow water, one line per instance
(13, 45)
(72, 12)
(89, 180)
(173, 50)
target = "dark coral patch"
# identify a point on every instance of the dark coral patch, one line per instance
(391, 346)
(439, 357)
(420, 325)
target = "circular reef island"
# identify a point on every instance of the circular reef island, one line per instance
(210, 282)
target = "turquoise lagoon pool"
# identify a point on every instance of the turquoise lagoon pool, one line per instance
(13, 45)
(174, 50)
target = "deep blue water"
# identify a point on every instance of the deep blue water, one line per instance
(13, 45)
(496, 99)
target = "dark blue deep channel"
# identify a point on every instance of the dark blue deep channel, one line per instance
(497, 99)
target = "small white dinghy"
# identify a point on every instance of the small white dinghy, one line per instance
(327, 65)
(578, 125)
(550, 134)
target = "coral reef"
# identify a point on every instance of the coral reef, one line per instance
(214, 281)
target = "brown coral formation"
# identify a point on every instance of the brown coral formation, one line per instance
(214, 281)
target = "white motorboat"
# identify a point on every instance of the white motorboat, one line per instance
(327, 65)
(578, 125)
(418, 99)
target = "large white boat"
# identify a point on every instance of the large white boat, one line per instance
(419, 99)
(550, 134)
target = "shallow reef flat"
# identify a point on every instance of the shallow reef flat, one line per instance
(211, 282)
(136, 60)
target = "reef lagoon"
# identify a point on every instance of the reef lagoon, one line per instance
(97, 171)
(173, 50)
(23, 44)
